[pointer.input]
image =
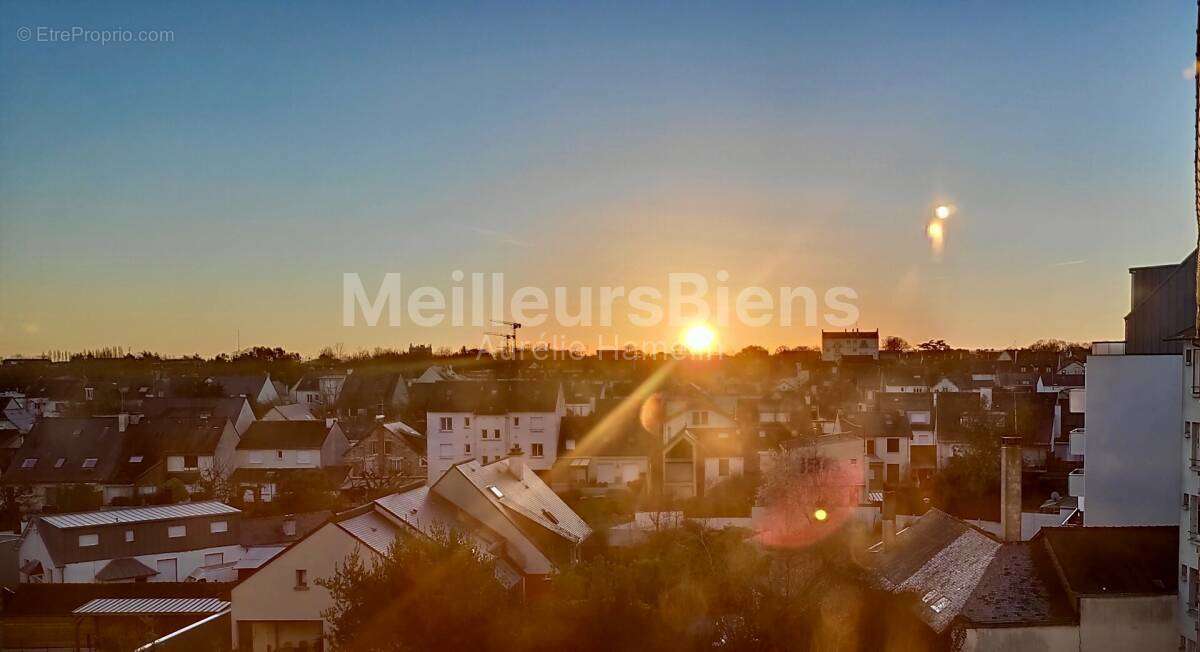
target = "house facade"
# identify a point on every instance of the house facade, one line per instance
(138, 544)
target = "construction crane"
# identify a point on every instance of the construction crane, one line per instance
(511, 337)
(506, 336)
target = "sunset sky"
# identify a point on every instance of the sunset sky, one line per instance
(166, 196)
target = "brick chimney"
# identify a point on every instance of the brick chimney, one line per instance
(516, 462)
(1010, 488)
(889, 520)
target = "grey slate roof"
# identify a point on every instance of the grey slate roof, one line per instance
(372, 529)
(1115, 560)
(271, 435)
(1019, 587)
(940, 559)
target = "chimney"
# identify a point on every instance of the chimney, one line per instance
(1010, 488)
(889, 520)
(516, 462)
(122, 422)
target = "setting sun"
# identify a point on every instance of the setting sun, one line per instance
(699, 338)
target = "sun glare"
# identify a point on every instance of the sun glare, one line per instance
(942, 212)
(699, 338)
(820, 514)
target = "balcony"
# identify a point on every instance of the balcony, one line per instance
(1078, 441)
(1108, 348)
(1075, 483)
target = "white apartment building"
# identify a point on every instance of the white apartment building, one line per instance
(1189, 525)
(835, 344)
(484, 420)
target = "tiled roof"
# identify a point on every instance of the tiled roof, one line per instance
(138, 514)
(267, 530)
(74, 440)
(271, 435)
(939, 558)
(493, 397)
(1019, 587)
(124, 568)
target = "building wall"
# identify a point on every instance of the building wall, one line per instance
(1189, 548)
(712, 469)
(1134, 424)
(1025, 639)
(186, 561)
(269, 459)
(270, 594)
(514, 428)
(1123, 623)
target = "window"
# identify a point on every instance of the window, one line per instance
(176, 531)
(129, 536)
(90, 463)
(723, 467)
(516, 421)
(495, 491)
(446, 424)
(218, 526)
(58, 464)
(278, 455)
(467, 449)
(88, 540)
(700, 418)
(893, 445)
(89, 393)
(446, 451)
(570, 444)
(214, 559)
(301, 578)
(303, 457)
(467, 421)
(255, 457)
(423, 462)
(135, 459)
(537, 450)
(29, 463)
(870, 447)
(496, 433)
(191, 461)
(289, 528)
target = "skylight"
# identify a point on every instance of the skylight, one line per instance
(29, 463)
(495, 491)
(135, 459)
(90, 463)
(59, 462)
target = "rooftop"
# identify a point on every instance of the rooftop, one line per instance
(139, 514)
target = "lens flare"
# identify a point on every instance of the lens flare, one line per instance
(942, 212)
(937, 236)
(821, 515)
(699, 338)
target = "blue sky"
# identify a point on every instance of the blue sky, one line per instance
(165, 196)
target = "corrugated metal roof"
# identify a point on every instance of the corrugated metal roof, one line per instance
(153, 606)
(139, 514)
(372, 529)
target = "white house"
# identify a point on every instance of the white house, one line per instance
(281, 606)
(163, 543)
(270, 448)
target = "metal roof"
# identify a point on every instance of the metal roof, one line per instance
(139, 514)
(372, 529)
(101, 606)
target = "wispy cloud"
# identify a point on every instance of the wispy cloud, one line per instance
(1068, 263)
(499, 236)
